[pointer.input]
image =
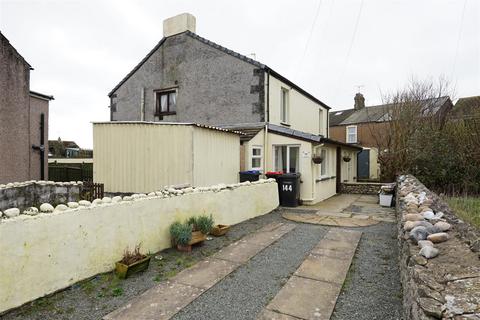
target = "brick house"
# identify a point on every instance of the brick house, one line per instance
(361, 126)
(23, 120)
(187, 78)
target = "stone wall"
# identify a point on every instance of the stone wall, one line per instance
(439, 256)
(53, 248)
(361, 187)
(22, 195)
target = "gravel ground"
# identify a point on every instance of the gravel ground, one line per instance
(96, 297)
(372, 289)
(244, 293)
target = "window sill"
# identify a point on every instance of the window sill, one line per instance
(325, 178)
(160, 114)
(285, 124)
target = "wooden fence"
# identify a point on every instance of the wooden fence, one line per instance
(62, 172)
(91, 191)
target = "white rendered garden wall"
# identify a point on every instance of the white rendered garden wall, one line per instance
(50, 251)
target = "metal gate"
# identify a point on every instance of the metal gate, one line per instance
(363, 164)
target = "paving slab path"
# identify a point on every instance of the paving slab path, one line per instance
(166, 299)
(311, 293)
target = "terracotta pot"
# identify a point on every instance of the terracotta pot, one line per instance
(187, 248)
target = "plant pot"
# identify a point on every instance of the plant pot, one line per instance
(317, 160)
(347, 159)
(124, 271)
(187, 248)
(197, 236)
(220, 230)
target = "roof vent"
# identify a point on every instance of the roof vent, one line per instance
(178, 24)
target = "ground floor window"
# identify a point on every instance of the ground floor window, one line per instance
(257, 154)
(286, 158)
(324, 164)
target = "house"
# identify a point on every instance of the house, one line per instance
(467, 108)
(361, 126)
(187, 78)
(23, 120)
(141, 156)
(67, 149)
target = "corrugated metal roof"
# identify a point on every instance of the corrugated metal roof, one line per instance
(172, 123)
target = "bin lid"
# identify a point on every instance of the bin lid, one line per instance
(250, 172)
(272, 173)
(290, 175)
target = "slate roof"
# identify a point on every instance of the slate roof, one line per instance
(468, 107)
(41, 95)
(379, 113)
(251, 130)
(227, 51)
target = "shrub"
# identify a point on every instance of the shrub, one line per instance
(204, 223)
(130, 257)
(181, 233)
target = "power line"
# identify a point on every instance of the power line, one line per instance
(352, 40)
(310, 34)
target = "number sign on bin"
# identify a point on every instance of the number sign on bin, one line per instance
(287, 187)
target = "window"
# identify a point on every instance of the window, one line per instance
(352, 134)
(284, 106)
(286, 158)
(166, 103)
(324, 164)
(256, 158)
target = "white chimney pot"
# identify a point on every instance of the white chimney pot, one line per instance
(178, 24)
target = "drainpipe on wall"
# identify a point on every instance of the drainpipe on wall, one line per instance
(142, 104)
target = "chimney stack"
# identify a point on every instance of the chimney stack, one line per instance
(178, 24)
(359, 101)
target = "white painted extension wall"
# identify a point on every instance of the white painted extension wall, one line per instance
(48, 252)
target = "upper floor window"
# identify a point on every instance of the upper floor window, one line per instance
(284, 106)
(352, 134)
(166, 102)
(256, 158)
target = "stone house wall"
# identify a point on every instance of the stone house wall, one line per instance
(213, 87)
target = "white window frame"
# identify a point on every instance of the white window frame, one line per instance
(288, 155)
(252, 156)
(284, 105)
(347, 138)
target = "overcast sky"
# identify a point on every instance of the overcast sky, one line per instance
(81, 49)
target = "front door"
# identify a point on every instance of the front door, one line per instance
(363, 164)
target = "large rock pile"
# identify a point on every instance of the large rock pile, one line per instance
(440, 270)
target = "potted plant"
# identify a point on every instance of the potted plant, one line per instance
(181, 235)
(347, 158)
(132, 262)
(317, 159)
(201, 226)
(220, 230)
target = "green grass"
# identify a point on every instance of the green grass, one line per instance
(466, 208)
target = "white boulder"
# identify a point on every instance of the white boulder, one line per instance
(31, 211)
(84, 203)
(116, 199)
(46, 207)
(72, 204)
(61, 207)
(106, 200)
(12, 212)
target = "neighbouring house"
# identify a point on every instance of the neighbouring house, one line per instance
(467, 109)
(187, 78)
(67, 149)
(361, 126)
(138, 156)
(23, 120)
